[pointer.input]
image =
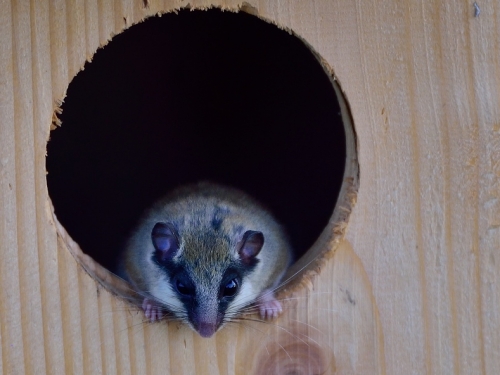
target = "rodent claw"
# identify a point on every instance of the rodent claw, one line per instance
(151, 310)
(270, 309)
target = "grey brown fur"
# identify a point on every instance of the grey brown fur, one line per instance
(210, 221)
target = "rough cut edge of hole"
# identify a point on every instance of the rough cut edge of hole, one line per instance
(309, 266)
(110, 281)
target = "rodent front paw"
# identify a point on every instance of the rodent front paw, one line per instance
(269, 306)
(152, 311)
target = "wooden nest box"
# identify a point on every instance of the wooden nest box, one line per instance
(403, 280)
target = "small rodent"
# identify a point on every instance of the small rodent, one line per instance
(204, 253)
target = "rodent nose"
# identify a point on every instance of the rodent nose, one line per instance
(206, 329)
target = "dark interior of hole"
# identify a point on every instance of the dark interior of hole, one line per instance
(203, 95)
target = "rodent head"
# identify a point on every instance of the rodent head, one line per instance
(206, 271)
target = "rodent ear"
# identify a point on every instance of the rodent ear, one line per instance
(165, 240)
(251, 244)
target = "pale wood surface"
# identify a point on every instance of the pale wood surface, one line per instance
(422, 79)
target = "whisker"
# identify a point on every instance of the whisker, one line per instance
(249, 326)
(307, 325)
(128, 327)
(281, 346)
(277, 326)
(258, 295)
(291, 277)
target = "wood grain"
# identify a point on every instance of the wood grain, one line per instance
(422, 80)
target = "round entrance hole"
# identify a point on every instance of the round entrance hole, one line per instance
(201, 96)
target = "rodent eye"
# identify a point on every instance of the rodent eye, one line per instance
(230, 288)
(183, 288)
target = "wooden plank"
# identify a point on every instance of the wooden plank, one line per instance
(70, 311)
(76, 35)
(89, 310)
(28, 256)
(10, 301)
(58, 50)
(422, 80)
(91, 27)
(46, 238)
(107, 335)
(439, 102)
